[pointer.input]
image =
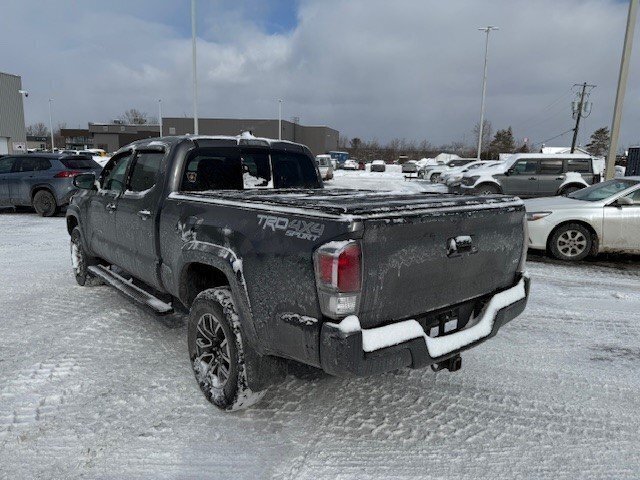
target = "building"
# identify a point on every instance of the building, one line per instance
(111, 136)
(13, 137)
(76, 138)
(319, 139)
(35, 142)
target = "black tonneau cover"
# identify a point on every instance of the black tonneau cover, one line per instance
(354, 202)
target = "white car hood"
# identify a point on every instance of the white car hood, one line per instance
(554, 203)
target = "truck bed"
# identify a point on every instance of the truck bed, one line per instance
(347, 202)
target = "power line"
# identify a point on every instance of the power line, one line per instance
(545, 108)
(552, 138)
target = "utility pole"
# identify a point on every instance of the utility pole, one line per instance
(622, 87)
(160, 114)
(195, 74)
(51, 124)
(487, 30)
(578, 112)
(279, 119)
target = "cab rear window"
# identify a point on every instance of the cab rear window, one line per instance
(233, 169)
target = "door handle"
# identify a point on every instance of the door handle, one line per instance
(559, 178)
(144, 214)
(111, 207)
(532, 178)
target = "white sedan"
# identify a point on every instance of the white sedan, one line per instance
(601, 218)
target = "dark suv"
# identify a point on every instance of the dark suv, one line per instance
(42, 181)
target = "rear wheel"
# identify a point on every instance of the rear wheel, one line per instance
(487, 189)
(571, 242)
(216, 351)
(45, 203)
(434, 177)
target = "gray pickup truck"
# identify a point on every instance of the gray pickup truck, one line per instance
(273, 268)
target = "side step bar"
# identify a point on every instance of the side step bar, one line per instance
(130, 290)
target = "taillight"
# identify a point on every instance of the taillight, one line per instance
(339, 277)
(66, 174)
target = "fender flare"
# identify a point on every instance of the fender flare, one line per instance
(263, 370)
(230, 264)
(490, 182)
(41, 186)
(570, 184)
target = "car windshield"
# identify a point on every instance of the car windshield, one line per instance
(603, 190)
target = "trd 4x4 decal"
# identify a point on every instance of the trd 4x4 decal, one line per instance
(292, 228)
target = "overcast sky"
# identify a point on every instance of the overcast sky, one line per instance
(370, 68)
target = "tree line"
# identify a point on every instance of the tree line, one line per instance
(503, 141)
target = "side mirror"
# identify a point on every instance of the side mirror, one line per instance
(509, 172)
(623, 201)
(85, 181)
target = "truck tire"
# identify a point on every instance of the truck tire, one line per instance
(81, 261)
(487, 189)
(216, 351)
(45, 203)
(571, 242)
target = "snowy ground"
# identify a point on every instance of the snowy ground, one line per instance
(92, 386)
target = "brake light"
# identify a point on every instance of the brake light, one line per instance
(339, 277)
(66, 174)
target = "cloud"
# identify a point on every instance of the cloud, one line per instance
(370, 68)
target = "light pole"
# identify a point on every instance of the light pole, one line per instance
(279, 119)
(195, 75)
(622, 87)
(24, 94)
(51, 124)
(160, 114)
(487, 30)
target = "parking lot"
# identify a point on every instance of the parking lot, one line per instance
(91, 385)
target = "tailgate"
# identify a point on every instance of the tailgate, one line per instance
(411, 266)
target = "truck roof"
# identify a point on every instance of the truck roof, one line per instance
(245, 138)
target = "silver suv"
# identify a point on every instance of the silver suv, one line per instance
(534, 175)
(43, 181)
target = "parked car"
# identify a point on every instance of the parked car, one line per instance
(272, 266)
(534, 175)
(325, 166)
(350, 165)
(378, 166)
(43, 181)
(453, 176)
(409, 167)
(601, 218)
(433, 172)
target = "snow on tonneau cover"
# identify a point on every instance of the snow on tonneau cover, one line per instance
(421, 252)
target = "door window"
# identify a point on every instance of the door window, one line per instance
(525, 167)
(550, 166)
(6, 165)
(114, 173)
(26, 165)
(581, 166)
(145, 170)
